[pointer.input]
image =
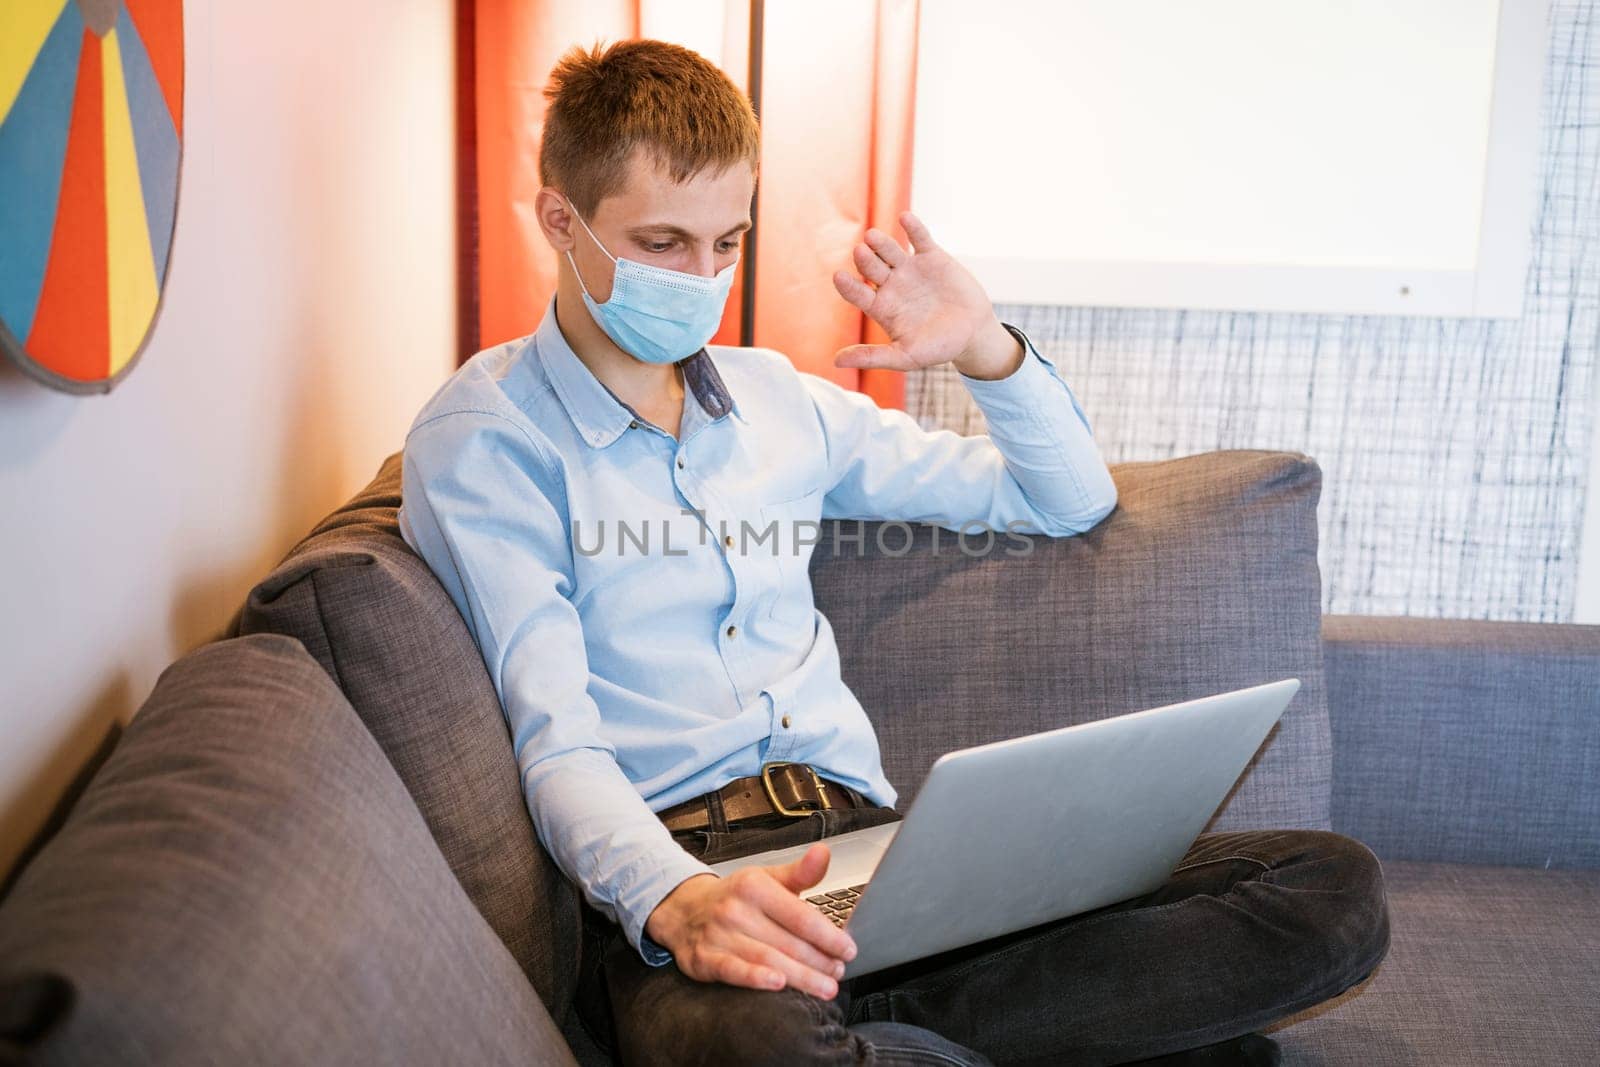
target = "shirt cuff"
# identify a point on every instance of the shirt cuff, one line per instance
(655, 955)
(1025, 392)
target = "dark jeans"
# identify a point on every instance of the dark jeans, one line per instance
(1251, 927)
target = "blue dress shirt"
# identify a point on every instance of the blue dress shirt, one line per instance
(642, 602)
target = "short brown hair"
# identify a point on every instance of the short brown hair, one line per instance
(640, 94)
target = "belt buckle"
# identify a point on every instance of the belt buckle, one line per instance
(772, 794)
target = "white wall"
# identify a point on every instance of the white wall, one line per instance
(309, 312)
(1455, 452)
(1365, 157)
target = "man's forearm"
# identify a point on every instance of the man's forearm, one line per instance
(604, 837)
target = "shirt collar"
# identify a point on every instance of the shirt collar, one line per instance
(594, 409)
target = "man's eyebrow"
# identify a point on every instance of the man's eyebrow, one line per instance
(679, 231)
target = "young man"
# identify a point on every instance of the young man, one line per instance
(619, 513)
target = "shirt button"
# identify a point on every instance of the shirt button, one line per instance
(633, 424)
(733, 631)
(680, 463)
(728, 540)
(785, 722)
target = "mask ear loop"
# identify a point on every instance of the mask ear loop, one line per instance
(576, 272)
(590, 232)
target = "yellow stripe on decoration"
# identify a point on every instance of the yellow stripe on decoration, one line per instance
(24, 24)
(130, 263)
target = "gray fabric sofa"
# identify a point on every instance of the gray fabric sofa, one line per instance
(310, 844)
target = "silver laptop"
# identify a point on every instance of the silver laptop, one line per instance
(1070, 820)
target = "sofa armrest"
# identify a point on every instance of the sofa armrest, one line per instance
(1464, 741)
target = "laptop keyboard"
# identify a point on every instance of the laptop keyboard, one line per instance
(838, 904)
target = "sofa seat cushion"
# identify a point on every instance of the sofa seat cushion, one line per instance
(1203, 579)
(372, 613)
(247, 881)
(1487, 965)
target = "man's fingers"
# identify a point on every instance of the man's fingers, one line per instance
(794, 972)
(804, 872)
(769, 932)
(804, 968)
(871, 267)
(887, 248)
(760, 930)
(802, 920)
(749, 962)
(820, 947)
(858, 293)
(921, 239)
(871, 356)
(736, 970)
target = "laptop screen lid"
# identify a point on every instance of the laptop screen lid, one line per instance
(1015, 833)
(1011, 834)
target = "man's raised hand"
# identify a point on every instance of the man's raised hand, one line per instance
(932, 308)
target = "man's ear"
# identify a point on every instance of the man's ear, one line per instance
(555, 219)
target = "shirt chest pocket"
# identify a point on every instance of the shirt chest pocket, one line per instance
(792, 528)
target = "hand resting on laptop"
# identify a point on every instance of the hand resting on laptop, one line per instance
(752, 928)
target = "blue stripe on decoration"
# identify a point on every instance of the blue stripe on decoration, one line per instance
(155, 140)
(33, 149)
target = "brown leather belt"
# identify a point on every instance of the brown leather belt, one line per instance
(791, 789)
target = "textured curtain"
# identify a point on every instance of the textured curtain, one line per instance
(837, 88)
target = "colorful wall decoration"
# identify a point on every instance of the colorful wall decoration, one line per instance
(91, 128)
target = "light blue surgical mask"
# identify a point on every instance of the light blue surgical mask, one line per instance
(655, 314)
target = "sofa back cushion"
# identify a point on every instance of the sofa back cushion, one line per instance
(1204, 579)
(246, 881)
(372, 613)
